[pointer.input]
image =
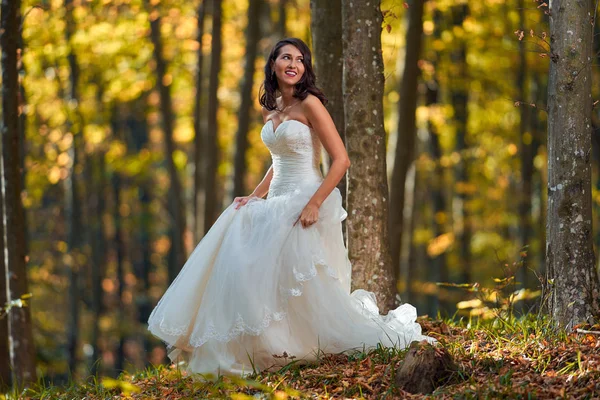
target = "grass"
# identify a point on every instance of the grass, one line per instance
(524, 359)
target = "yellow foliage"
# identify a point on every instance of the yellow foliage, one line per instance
(125, 386)
(440, 244)
(54, 175)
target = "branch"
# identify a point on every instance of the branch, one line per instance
(587, 332)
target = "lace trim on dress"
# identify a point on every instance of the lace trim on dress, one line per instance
(241, 327)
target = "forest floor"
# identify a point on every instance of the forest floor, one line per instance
(518, 359)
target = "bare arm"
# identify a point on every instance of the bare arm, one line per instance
(323, 125)
(263, 187)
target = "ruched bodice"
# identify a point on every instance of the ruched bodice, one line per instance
(296, 152)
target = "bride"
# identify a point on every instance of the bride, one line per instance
(270, 281)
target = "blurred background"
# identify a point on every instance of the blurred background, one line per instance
(116, 184)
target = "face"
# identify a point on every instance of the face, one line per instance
(288, 65)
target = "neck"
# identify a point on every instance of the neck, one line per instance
(287, 95)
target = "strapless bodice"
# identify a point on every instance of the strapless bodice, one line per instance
(296, 152)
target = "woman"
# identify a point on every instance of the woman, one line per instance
(270, 281)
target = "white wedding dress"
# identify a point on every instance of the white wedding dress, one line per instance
(259, 292)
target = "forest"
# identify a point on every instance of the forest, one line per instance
(128, 126)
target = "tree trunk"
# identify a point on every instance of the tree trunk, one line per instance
(177, 210)
(460, 98)
(22, 123)
(144, 303)
(439, 270)
(120, 255)
(407, 264)
(142, 263)
(367, 202)
(596, 132)
(245, 110)
(439, 264)
(199, 124)
(526, 153)
(538, 131)
(20, 340)
(73, 203)
(212, 143)
(407, 129)
(99, 257)
(570, 259)
(326, 28)
(5, 372)
(73, 217)
(282, 21)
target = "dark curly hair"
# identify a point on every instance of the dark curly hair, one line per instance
(306, 85)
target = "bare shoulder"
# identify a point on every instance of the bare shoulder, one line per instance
(312, 103)
(314, 109)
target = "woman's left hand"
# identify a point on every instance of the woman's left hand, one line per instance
(308, 216)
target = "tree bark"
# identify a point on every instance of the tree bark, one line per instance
(407, 129)
(177, 210)
(199, 124)
(367, 202)
(245, 110)
(212, 143)
(20, 340)
(326, 28)
(570, 258)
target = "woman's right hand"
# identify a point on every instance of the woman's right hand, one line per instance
(241, 201)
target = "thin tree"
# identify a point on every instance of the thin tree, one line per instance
(367, 201)
(526, 151)
(570, 259)
(199, 167)
(282, 21)
(407, 128)
(326, 28)
(438, 262)
(5, 373)
(73, 210)
(538, 131)
(138, 136)
(119, 243)
(98, 264)
(245, 111)
(20, 338)
(459, 97)
(177, 207)
(212, 144)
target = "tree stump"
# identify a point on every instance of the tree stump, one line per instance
(425, 368)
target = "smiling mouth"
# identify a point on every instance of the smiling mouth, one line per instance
(291, 73)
